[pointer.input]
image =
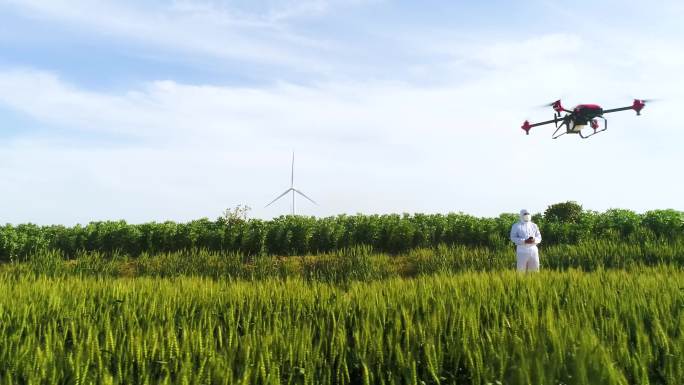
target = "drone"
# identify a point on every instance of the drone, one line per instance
(576, 120)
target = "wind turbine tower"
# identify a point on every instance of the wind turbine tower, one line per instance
(292, 190)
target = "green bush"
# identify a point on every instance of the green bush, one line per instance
(563, 223)
(568, 212)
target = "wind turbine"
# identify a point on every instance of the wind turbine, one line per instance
(293, 190)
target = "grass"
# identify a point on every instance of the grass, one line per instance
(357, 263)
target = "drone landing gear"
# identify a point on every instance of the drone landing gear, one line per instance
(595, 126)
(559, 135)
(565, 123)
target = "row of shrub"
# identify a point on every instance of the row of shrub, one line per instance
(358, 263)
(563, 223)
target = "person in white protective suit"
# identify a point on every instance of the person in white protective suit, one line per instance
(526, 236)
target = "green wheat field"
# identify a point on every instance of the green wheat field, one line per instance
(603, 310)
(498, 327)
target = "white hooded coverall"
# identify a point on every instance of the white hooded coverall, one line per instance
(527, 253)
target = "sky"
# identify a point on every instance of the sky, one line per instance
(177, 110)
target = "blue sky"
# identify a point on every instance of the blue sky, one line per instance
(154, 110)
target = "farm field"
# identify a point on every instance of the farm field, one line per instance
(571, 327)
(345, 300)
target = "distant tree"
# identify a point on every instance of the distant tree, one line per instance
(237, 214)
(568, 212)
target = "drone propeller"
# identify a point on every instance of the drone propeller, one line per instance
(545, 105)
(639, 104)
(557, 106)
(650, 100)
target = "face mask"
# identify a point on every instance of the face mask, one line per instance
(527, 218)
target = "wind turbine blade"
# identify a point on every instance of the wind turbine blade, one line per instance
(304, 195)
(279, 196)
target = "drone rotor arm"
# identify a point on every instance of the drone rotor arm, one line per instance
(617, 109)
(637, 106)
(556, 120)
(543, 123)
(527, 126)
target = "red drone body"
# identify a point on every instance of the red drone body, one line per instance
(578, 118)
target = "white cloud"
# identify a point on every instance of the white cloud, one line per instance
(188, 28)
(372, 146)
